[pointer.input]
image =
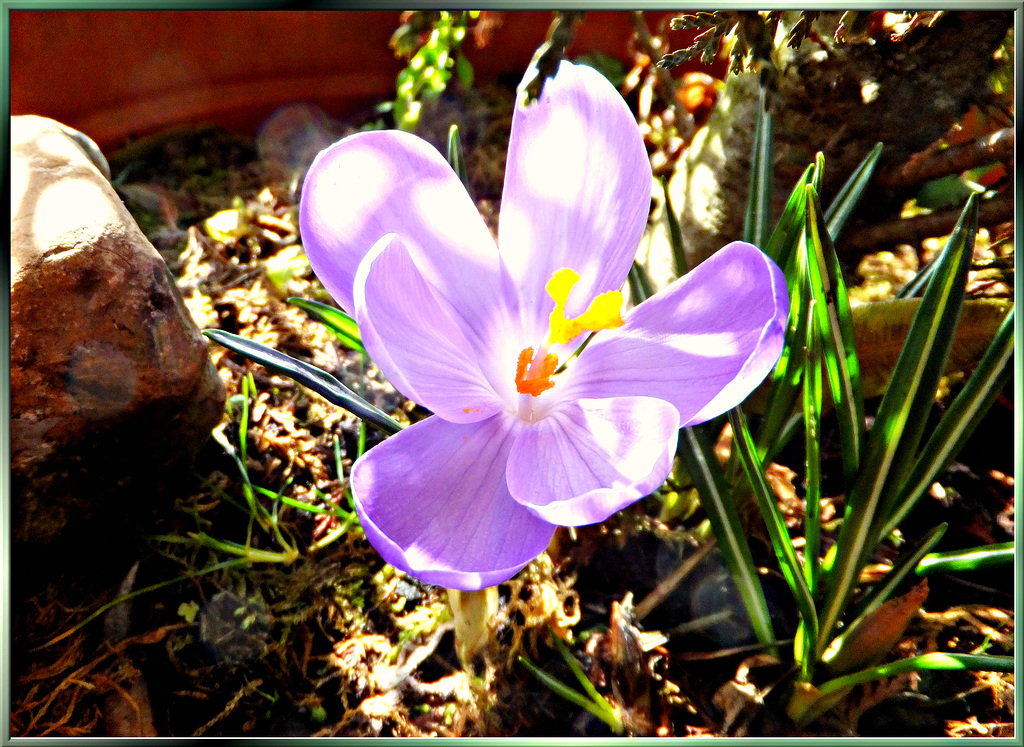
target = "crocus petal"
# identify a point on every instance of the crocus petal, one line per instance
(703, 343)
(433, 501)
(374, 183)
(577, 191)
(415, 341)
(591, 458)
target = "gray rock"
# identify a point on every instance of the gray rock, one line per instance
(112, 388)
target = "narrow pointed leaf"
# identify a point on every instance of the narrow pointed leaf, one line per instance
(928, 346)
(759, 198)
(640, 286)
(956, 426)
(915, 371)
(776, 525)
(785, 387)
(783, 240)
(340, 323)
(782, 247)
(919, 282)
(455, 156)
(556, 686)
(973, 559)
(675, 234)
(845, 202)
(719, 505)
(580, 675)
(832, 691)
(309, 376)
(835, 323)
(904, 566)
(812, 493)
(934, 661)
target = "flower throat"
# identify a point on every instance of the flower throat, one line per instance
(534, 372)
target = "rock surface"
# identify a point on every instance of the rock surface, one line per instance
(112, 388)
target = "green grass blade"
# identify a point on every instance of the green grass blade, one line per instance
(337, 513)
(785, 387)
(640, 286)
(776, 525)
(309, 376)
(455, 157)
(675, 234)
(919, 282)
(340, 323)
(783, 241)
(903, 567)
(974, 559)
(928, 346)
(556, 686)
(845, 202)
(248, 390)
(788, 372)
(956, 426)
(696, 451)
(829, 693)
(783, 248)
(835, 323)
(759, 198)
(580, 675)
(917, 370)
(812, 449)
(934, 661)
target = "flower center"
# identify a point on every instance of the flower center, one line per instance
(533, 372)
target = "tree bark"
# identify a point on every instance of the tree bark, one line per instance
(840, 99)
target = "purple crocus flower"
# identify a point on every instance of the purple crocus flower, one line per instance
(518, 445)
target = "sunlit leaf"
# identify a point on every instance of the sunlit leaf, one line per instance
(759, 198)
(959, 422)
(972, 559)
(340, 323)
(720, 507)
(842, 207)
(895, 433)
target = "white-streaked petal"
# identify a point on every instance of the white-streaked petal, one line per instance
(386, 181)
(577, 191)
(703, 343)
(588, 459)
(433, 502)
(413, 338)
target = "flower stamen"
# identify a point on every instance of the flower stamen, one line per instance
(604, 312)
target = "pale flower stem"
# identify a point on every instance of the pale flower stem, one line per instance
(472, 612)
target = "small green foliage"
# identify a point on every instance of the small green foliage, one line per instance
(886, 469)
(188, 611)
(229, 225)
(430, 67)
(287, 265)
(418, 624)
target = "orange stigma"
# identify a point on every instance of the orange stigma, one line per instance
(533, 375)
(538, 378)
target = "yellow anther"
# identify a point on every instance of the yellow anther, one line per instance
(535, 381)
(604, 312)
